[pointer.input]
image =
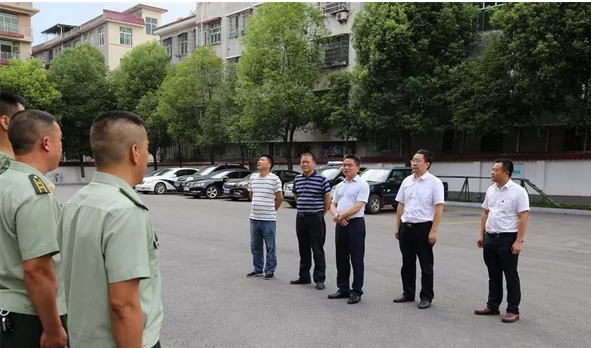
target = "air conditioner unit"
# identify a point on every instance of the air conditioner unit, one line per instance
(342, 16)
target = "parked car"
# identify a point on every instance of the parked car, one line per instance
(332, 171)
(384, 185)
(163, 180)
(203, 173)
(238, 189)
(211, 186)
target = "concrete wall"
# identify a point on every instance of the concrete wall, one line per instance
(116, 51)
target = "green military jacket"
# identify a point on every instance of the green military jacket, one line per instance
(29, 214)
(107, 237)
(5, 160)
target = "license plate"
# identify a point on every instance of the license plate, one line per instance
(226, 191)
(288, 194)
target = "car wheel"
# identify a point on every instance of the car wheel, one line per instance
(211, 192)
(160, 188)
(293, 204)
(374, 204)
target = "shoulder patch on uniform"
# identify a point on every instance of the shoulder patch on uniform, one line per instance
(133, 199)
(38, 185)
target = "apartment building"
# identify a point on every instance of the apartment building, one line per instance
(113, 33)
(179, 38)
(16, 34)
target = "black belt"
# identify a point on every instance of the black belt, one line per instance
(354, 219)
(301, 214)
(416, 224)
(498, 234)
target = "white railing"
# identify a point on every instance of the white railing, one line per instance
(11, 28)
(332, 7)
(4, 56)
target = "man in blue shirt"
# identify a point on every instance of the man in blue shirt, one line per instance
(312, 193)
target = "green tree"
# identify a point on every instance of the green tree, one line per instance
(404, 55)
(135, 83)
(81, 76)
(186, 94)
(156, 125)
(278, 69)
(141, 71)
(548, 48)
(29, 80)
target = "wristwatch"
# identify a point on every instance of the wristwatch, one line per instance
(339, 217)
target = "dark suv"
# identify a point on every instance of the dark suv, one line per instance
(384, 185)
(203, 173)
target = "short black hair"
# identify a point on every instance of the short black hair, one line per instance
(309, 154)
(9, 103)
(27, 127)
(507, 165)
(427, 156)
(354, 157)
(110, 136)
(270, 159)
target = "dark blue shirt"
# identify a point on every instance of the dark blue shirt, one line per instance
(310, 192)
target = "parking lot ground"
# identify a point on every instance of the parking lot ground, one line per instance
(209, 302)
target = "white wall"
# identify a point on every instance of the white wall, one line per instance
(555, 178)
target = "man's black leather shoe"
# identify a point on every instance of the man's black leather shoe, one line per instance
(403, 298)
(354, 298)
(300, 281)
(424, 304)
(339, 294)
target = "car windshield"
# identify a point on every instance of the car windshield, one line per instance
(206, 171)
(219, 175)
(331, 173)
(161, 172)
(379, 175)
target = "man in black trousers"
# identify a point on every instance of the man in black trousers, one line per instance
(347, 208)
(503, 225)
(420, 206)
(312, 194)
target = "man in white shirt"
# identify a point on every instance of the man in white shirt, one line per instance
(267, 195)
(420, 206)
(347, 209)
(502, 229)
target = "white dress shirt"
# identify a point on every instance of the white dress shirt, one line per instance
(348, 193)
(504, 205)
(420, 196)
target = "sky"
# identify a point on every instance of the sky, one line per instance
(76, 13)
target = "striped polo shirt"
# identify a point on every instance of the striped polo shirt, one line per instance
(310, 192)
(264, 190)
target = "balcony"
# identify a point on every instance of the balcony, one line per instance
(6, 56)
(16, 32)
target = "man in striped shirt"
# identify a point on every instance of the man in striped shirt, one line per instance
(266, 195)
(312, 193)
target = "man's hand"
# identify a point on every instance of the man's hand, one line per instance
(397, 233)
(480, 242)
(516, 248)
(344, 222)
(54, 339)
(432, 237)
(336, 219)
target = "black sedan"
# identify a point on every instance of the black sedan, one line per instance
(211, 186)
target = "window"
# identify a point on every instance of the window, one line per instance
(8, 50)
(215, 32)
(151, 24)
(245, 16)
(168, 46)
(8, 22)
(77, 43)
(183, 44)
(483, 19)
(336, 51)
(91, 35)
(101, 33)
(84, 37)
(125, 36)
(233, 26)
(332, 7)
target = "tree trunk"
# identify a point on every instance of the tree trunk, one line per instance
(288, 150)
(242, 153)
(155, 164)
(180, 156)
(82, 174)
(407, 146)
(212, 156)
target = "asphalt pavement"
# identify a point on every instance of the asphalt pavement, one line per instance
(209, 302)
